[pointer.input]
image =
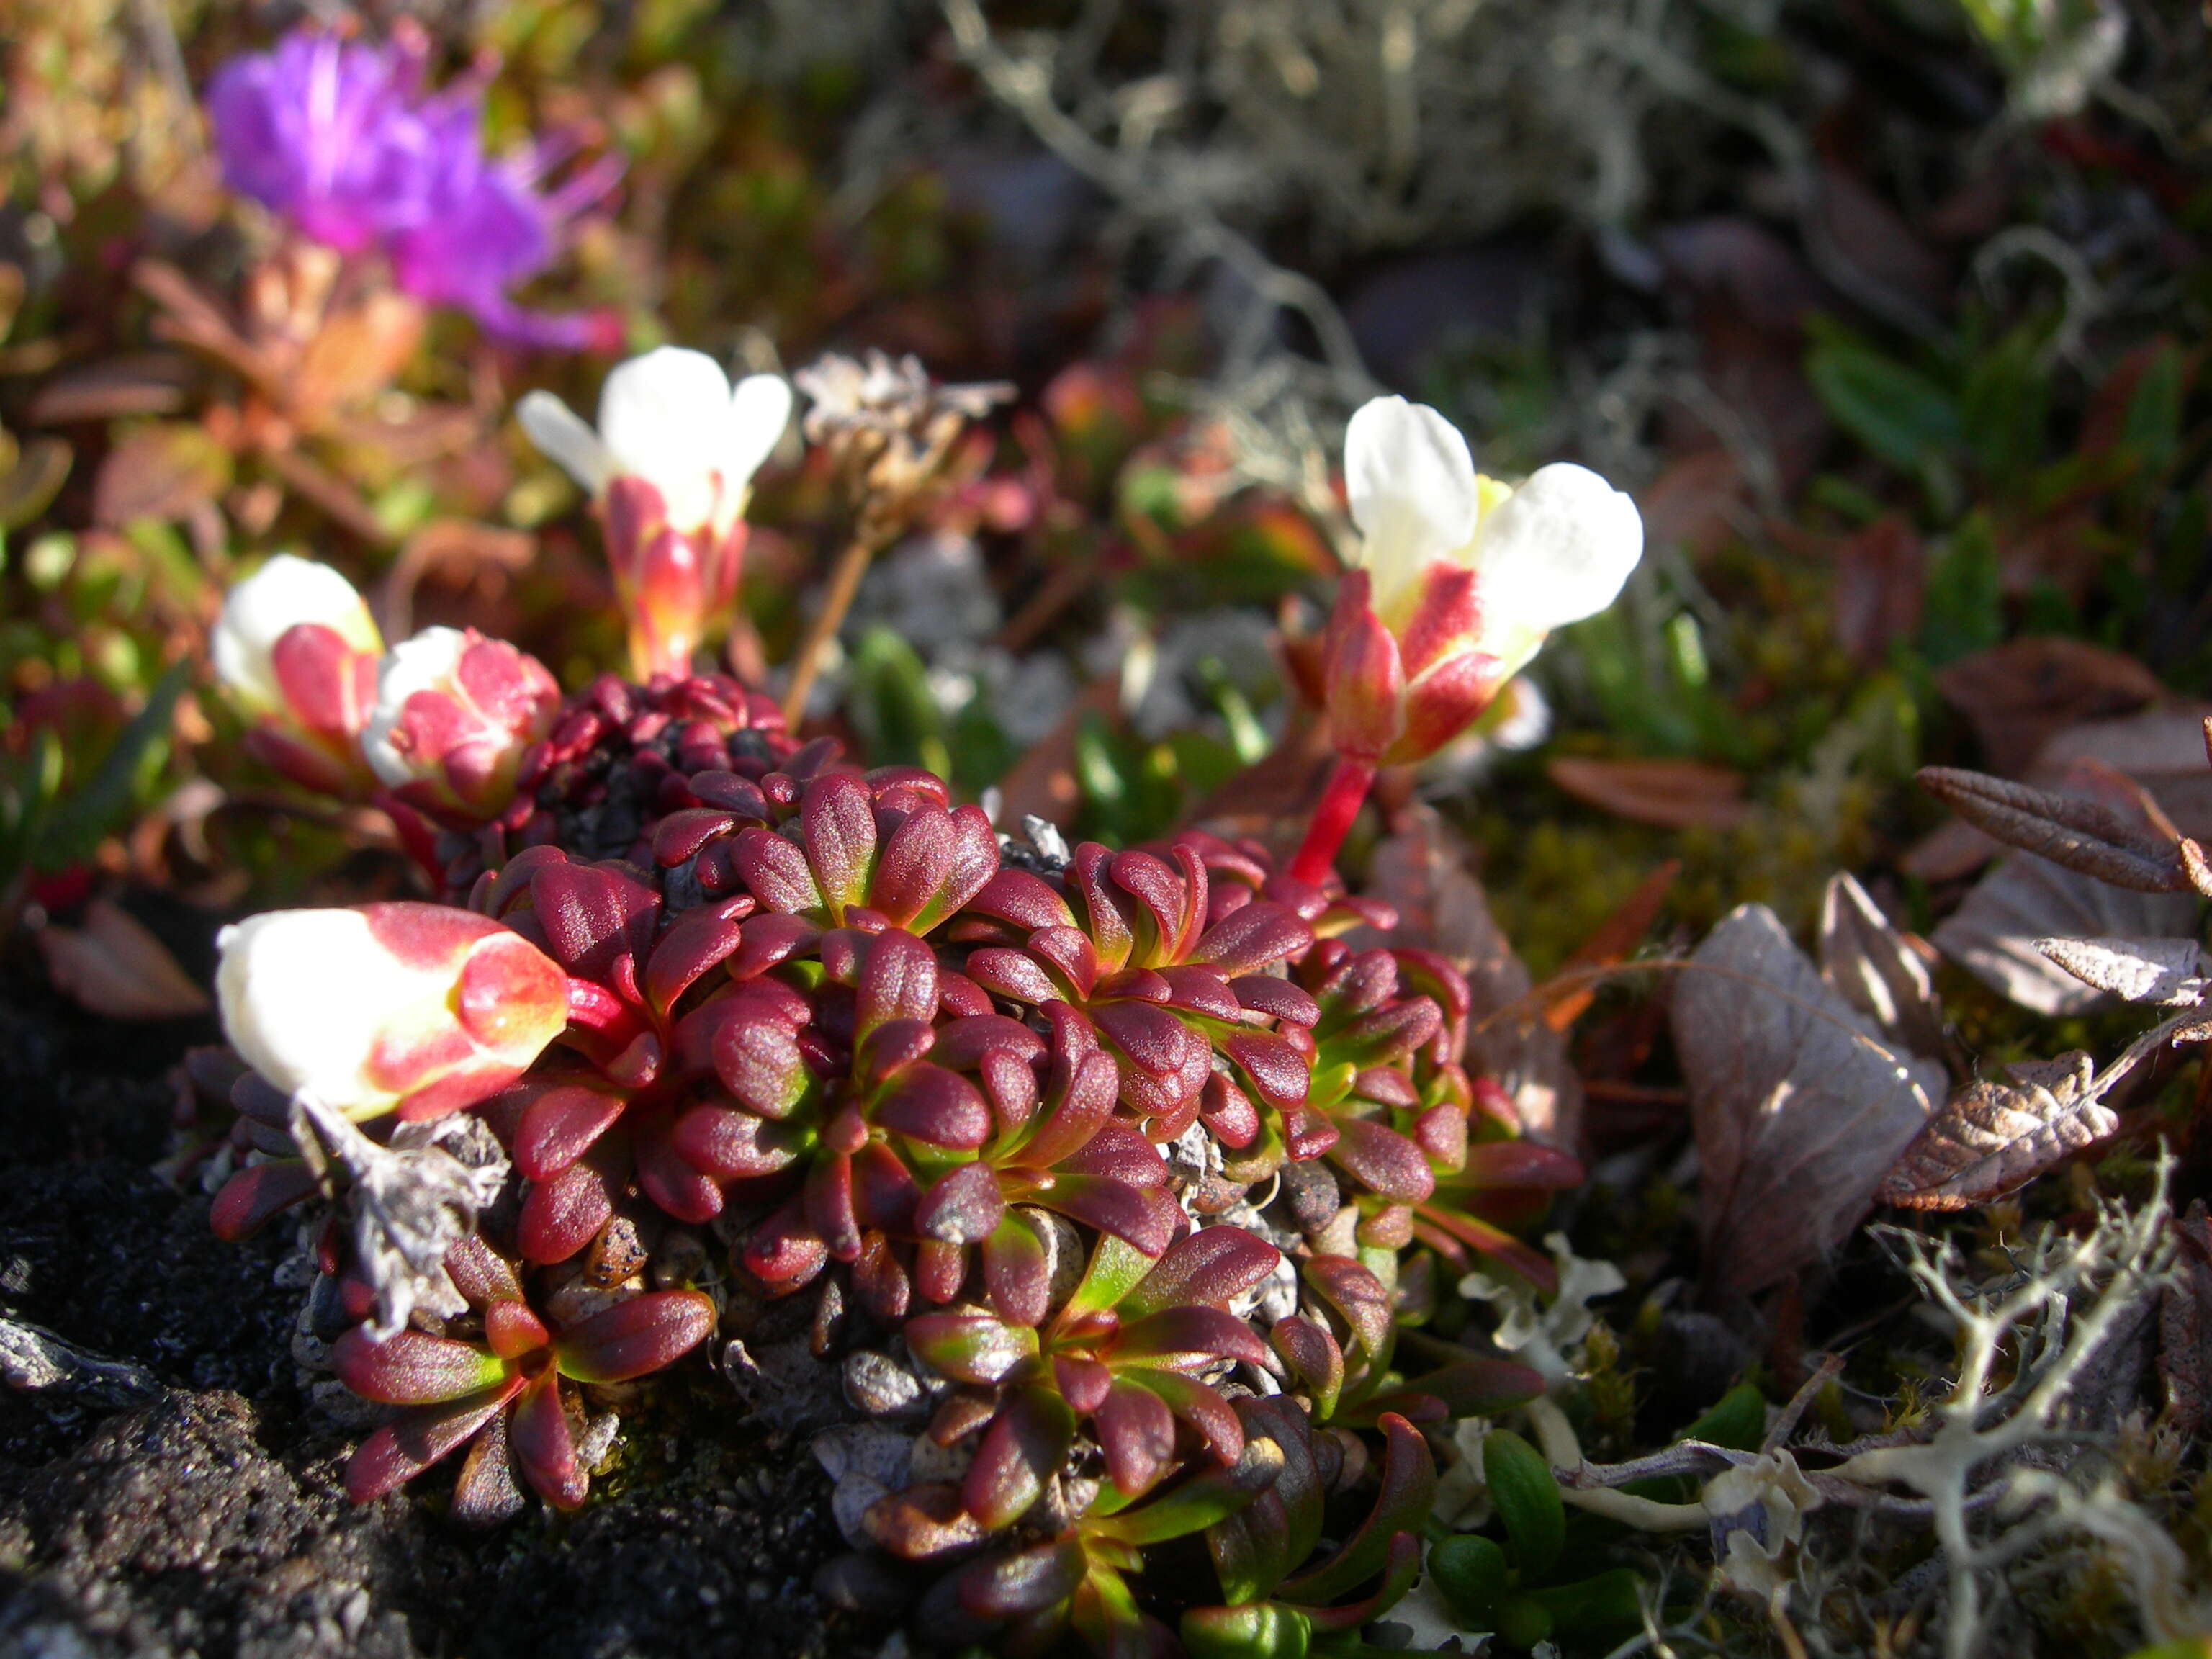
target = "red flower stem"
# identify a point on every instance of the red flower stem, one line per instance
(1332, 819)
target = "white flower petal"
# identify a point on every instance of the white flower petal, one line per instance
(760, 408)
(285, 590)
(304, 995)
(1557, 550)
(1412, 491)
(563, 438)
(667, 417)
(425, 663)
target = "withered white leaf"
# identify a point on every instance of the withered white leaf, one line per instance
(1991, 1138)
(1799, 1104)
(2169, 971)
(1876, 969)
(1423, 871)
(2024, 899)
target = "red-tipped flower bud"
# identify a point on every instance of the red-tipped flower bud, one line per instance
(422, 1007)
(297, 650)
(454, 713)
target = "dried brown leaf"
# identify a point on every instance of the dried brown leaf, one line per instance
(140, 383)
(2020, 695)
(166, 471)
(1616, 936)
(1881, 581)
(2081, 833)
(1799, 1106)
(1880, 971)
(1677, 794)
(115, 967)
(34, 477)
(1423, 872)
(1997, 934)
(356, 352)
(2184, 1335)
(1991, 1138)
(2170, 971)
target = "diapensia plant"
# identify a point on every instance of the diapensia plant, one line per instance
(1128, 1168)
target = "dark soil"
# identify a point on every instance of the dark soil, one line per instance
(201, 1512)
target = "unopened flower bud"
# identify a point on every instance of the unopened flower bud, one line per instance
(454, 713)
(296, 648)
(1461, 578)
(670, 469)
(422, 1007)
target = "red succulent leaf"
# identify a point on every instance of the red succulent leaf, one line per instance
(1118, 1151)
(1228, 1113)
(1023, 1448)
(1112, 1206)
(1518, 1163)
(677, 1185)
(412, 1368)
(1466, 1387)
(965, 1207)
(1195, 988)
(827, 1199)
(635, 1338)
(1136, 1432)
(768, 940)
(783, 1252)
(1356, 1294)
(1210, 1266)
(1277, 999)
(880, 1280)
(1463, 1232)
(916, 863)
(776, 872)
(890, 1049)
(1279, 1072)
(1441, 1134)
(1083, 1381)
(560, 1126)
(962, 1044)
(1014, 974)
(480, 1273)
(837, 821)
(1084, 1102)
(511, 1330)
(759, 1062)
(682, 833)
(1193, 1505)
(1314, 1358)
(699, 940)
(1015, 1271)
(935, 1106)
(1104, 920)
(561, 1216)
(897, 981)
(538, 1433)
(1189, 1338)
(1255, 1550)
(1258, 936)
(970, 1348)
(1408, 1491)
(595, 917)
(1066, 953)
(1382, 1159)
(257, 1192)
(1197, 1404)
(939, 1269)
(975, 863)
(412, 1442)
(884, 1191)
(1020, 901)
(1155, 1045)
(1401, 1568)
(1306, 1134)
(922, 1523)
(1026, 1582)
(486, 1493)
(731, 1145)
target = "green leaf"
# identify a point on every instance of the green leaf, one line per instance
(1965, 606)
(1472, 1574)
(1528, 1500)
(1897, 412)
(1259, 1629)
(97, 808)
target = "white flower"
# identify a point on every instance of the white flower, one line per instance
(671, 418)
(367, 1008)
(1553, 551)
(259, 612)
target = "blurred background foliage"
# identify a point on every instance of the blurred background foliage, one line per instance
(1890, 313)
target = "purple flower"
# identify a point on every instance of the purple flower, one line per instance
(339, 139)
